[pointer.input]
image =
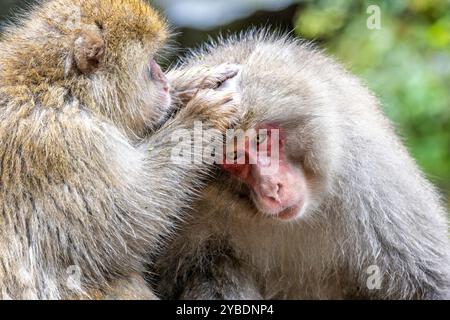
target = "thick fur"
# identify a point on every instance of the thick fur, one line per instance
(371, 205)
(79, 188)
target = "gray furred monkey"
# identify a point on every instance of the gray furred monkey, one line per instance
(348, 214)
(84, 195)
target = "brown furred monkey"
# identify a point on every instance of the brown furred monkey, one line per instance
(82, 197)
(347, 213)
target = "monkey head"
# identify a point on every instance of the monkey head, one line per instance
(289, 148)
(97, 54)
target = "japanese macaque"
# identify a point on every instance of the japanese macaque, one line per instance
(87, 186)
(342, 213)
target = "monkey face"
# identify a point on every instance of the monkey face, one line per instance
(278, 186)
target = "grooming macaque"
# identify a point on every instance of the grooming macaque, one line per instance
(85, 194)
(343, 213)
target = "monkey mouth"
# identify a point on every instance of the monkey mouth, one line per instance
(169, 113)
(289, 213)
(284, 214)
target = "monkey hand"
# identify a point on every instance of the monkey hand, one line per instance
(186, 83)
(214, 77)
(216, 108)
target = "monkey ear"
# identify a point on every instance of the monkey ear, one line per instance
(89, 50)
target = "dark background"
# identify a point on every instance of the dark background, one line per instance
(406, 62)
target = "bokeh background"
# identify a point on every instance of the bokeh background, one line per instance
(406, 62)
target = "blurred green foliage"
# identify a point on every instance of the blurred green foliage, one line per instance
(406, 63)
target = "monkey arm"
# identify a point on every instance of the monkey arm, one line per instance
(164, 170)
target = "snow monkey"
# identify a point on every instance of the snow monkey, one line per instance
(85, 190)
(345, 213)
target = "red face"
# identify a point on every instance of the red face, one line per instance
(278, 186)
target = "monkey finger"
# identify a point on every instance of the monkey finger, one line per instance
(218, 75)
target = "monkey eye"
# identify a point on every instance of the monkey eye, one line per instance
(99, 24)
(261, 137)
(234, 155)
(219, 84)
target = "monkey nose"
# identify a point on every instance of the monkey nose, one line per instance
(270, 190)
(158, 75)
